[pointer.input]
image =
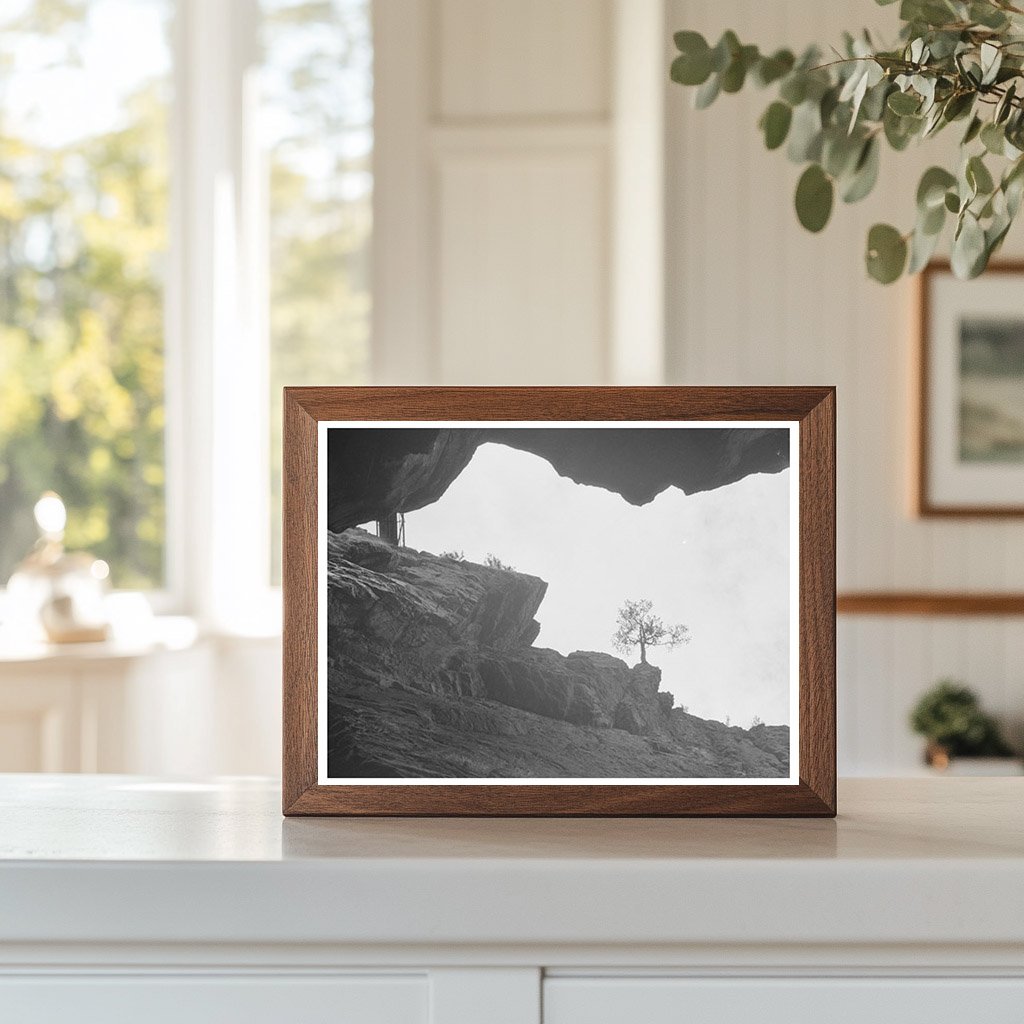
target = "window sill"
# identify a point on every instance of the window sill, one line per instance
(160, 633)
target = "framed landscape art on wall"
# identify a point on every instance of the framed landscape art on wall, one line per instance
(559, 601)
(970, 451)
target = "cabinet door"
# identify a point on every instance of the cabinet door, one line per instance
(202, 999)
(783, 1001)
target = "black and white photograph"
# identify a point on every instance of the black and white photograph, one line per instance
(564, 602)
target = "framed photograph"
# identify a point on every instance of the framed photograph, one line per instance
(970, 450)
(559, 601)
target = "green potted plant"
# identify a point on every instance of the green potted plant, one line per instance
(950, 718)
(956, 62)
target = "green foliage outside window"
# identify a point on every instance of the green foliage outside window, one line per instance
(83, 243)
(82, 232)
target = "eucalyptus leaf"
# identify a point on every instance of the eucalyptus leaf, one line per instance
(805, 133)
(691, 70)
(868, 73)
(968, 247)
(689, 42)
(993, 138)
(900, 130)
(814, 196)
(886, 253)
(840, 152)
(724, 51)
(794, 88)
(865, 173)
(973, 130)
(817, 84)
(707, 93)
(775, 124)
(925, 87)
(873, 106)
(922, 247)
(969, 71)
(1013, 186)
(930, 12)
(978, 176)
(735, 74)
(966, 187)
(828, 105)
(1014, 192)
(987, 15)
(771, 69)
(932, 122)
(932, 221)
(931, 190)
(1005, 105)
(903, 103)
(958, 105)
(944, 44)
(991, 60)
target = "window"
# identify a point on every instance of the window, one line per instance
(83, 235)
(185, 221)
(317, 88)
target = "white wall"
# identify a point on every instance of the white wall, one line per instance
(501, 132)
(211, 710)
(754, 299)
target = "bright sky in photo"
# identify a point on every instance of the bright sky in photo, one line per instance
(717, 561)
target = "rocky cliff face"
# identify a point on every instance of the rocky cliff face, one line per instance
(374, 472)
(432, 673)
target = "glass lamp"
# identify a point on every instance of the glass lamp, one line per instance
(59, 595)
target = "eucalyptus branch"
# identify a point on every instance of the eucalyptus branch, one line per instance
(954, 60)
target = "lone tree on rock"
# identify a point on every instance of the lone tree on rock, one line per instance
(639, 627)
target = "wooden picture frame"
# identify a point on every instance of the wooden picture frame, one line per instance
(974, 488)
(809, 415)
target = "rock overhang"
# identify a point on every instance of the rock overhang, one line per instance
(374, 472)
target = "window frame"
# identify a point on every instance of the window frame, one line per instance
(215, 321)
(217, 346)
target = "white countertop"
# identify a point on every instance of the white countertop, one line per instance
(120, 859)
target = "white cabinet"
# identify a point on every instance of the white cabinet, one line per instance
(466, 996)
(131, 899)
(828, 1000)
(216, 1000)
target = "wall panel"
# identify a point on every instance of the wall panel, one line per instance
(494, 207)
(519, 285)
(531, 58)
